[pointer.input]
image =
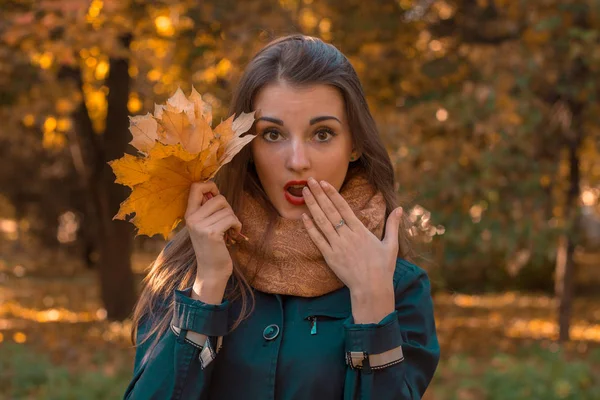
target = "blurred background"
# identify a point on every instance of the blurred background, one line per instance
(490, 112)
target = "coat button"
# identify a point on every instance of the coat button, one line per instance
(271, 332)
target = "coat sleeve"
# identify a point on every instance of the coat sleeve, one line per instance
(179, 367)
(396, 358)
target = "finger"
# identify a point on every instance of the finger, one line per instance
(210, 206)
(341, 205)
(329, 209)
(316, 236)
(197, 191)
(226, 222)
(319, 218)
(392, 227)
(214, 217)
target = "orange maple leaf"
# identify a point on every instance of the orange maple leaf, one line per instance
(177, 147)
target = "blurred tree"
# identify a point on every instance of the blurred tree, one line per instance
(501, 113)
(82, 60)
(495, 102)
(50, 35)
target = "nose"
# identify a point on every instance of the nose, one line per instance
(297, 158)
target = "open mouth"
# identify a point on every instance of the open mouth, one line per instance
(295, 191)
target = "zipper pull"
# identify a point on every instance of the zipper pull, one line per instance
(313, 329)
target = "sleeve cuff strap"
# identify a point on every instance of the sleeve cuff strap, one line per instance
(374, 338)
(358, 360)
(197, 316)
(207, 352)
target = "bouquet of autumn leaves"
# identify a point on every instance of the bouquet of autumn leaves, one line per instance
(176, 147)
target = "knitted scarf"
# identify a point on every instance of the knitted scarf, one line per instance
(292, 264)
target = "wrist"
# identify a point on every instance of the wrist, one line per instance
(371, 293)
(371, 306)
(209, 290)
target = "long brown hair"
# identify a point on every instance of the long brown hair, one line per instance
(297, 60)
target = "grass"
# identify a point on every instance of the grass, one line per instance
(27, 374)
(531, 374)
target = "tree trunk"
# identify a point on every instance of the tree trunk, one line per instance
(87, 151)
(116, 278)
(90, 152)
(564, 285)
(565, 267)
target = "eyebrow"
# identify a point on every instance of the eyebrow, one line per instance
(312, 121)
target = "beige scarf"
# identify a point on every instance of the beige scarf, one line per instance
(293, 264)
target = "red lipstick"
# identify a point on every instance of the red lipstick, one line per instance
(295, 200)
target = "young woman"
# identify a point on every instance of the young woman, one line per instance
(320, 302)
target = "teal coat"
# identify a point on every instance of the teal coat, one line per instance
(302, 357)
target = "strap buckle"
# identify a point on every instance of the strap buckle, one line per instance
(355, 359)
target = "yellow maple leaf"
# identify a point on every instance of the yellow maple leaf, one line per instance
(130, 170)
(178, 147)
(143, 128)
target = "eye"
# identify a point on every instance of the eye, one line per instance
(323, 132)
(270, 133)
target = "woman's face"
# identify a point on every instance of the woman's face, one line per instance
(302, 132)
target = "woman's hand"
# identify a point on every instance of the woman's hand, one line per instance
(207, 219)
(363, 262)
